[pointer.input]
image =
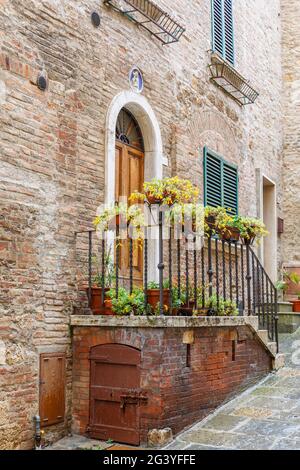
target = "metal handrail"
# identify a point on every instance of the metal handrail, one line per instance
(227, 270)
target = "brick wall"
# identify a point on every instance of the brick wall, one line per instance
(291, 98)
(52, 152)
(178, 395)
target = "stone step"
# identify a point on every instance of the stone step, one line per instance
(263, 334)
(285, 307)
(272, 346)
(288, 322)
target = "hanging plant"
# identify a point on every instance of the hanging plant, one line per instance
(211, 214)
(167, 191)
(122, 216)
(251, 229)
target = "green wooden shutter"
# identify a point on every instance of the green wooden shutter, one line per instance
(228, 31)
(230, 188)
(220, 182)
(217, 26)
(222, 29)
(212, 179)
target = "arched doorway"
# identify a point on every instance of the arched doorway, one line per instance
(129, 178)
(115, 394)
(139, 107)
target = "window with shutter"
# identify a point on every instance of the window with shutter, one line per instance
(222, 29)
(220, 182)
(52, 388)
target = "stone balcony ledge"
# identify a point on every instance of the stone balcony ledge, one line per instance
(162, 322)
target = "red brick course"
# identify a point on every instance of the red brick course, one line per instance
(178, 395)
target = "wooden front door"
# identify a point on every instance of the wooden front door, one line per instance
(129, 178)
(115, 393)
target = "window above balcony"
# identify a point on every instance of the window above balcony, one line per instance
(150, 17)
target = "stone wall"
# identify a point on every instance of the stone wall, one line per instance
(52, 152)
(178, 395)
(291, 168)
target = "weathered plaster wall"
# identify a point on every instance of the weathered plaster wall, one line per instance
(53, 157)
(291, 162)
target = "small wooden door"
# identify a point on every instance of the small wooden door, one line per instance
(52, 388)
(129, 178)
(115, 393)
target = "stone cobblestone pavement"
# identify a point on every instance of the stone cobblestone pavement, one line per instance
(264, 417)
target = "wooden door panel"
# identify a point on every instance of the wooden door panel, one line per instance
(115, 374)
(129, 178)
(52, 388)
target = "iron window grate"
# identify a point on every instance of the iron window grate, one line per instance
(152, 18)
(234, 84)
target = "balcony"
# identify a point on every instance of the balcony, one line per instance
(196, 275)
(234, 84)
(150, 17)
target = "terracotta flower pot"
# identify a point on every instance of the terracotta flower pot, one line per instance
(230, 234)
(296, 306)
(187, 310)
(96, 302)
(211, 222)
(152, 199)
(203, 312)
(249, 240)
(153, 296)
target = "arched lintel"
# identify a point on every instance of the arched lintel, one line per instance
(140, 108)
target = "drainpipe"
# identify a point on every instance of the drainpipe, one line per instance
(37, 434)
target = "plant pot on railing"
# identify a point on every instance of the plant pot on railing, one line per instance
(187, 310)
(296, 306)
(97, 306)
(153, 297)
(248, 237)
(203, 312)
(230, 234)
(210, 221)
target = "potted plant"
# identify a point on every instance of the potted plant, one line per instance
(287, 278)
(126, 303)
(210, 218)
(99, 304)
(296, 305)
(251, 229)
(123, 216)
(227, 226)
(187, 217)
(167, 191)
(218, 306)
(153, 294)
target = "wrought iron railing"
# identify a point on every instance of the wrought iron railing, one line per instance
(220, 271)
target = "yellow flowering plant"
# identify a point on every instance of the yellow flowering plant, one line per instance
(167, 191)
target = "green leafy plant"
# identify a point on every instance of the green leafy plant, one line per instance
(286, 279)
(222, 307)
(251, 228)
(127, 303)
(155, 285)
(109, 271)
(128, 216)
(211, 216)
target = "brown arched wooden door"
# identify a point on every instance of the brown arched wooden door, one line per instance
(129, 178)
(115, 395)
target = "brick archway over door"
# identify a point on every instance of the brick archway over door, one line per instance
(115, 393)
